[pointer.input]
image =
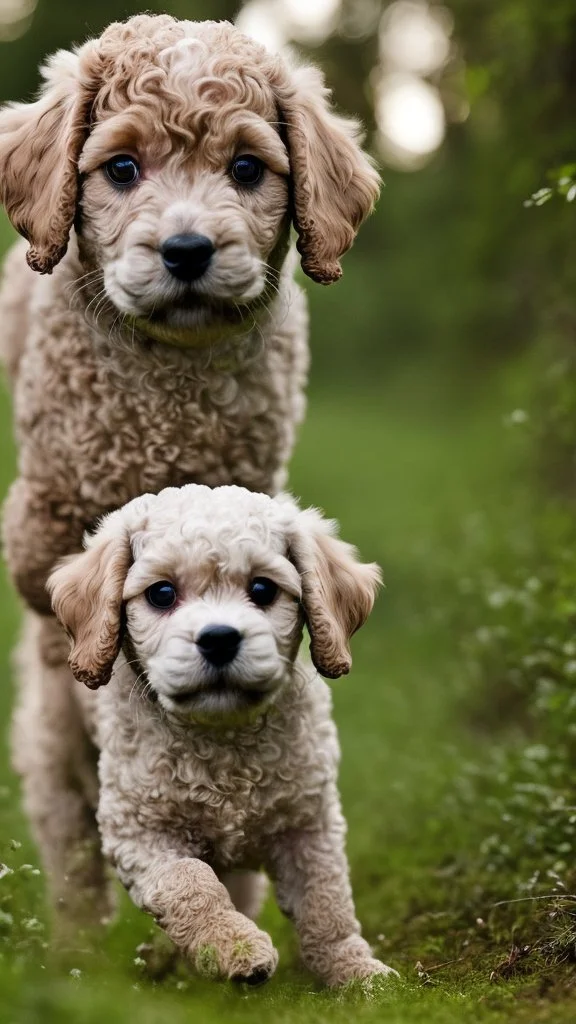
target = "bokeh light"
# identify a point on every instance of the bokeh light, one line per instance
(310, 20)
(414, 37)
(410, 117)
(274, 22)
(414, 45)
(260, 20)
(15, 18)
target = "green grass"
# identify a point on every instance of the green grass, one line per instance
(431, 495)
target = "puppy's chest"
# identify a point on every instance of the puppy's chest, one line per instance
(235, 807)
(225, 801)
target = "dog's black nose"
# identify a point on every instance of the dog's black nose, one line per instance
(219, 644)
(187, 257)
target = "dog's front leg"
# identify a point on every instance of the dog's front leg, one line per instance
(37, 533)
(194, 908)
(311, 873)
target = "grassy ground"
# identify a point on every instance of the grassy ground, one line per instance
(430, 495)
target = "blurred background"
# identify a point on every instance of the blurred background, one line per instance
(441, 432)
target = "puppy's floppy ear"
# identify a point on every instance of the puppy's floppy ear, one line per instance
(86, 592)
(338, 591)
(334, 182)
(39, 148)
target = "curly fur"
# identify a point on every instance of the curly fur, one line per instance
(202, 775)
(126, 380)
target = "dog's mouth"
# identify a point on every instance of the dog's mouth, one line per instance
(231, 693)
(192, 308)
(195, 321)
(219, 695)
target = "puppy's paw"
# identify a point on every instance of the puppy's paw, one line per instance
(371, 968)
(368, 977)
(350, 961)
(239, 951)
(372, 975)
(253, 960)
(378, 985)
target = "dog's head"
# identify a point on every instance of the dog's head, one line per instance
(211, 589)
(180, 151)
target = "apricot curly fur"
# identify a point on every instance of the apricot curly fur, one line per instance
(119, 386)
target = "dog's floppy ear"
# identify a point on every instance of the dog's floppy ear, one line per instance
(338, 591)
(39, 148)
(334, 182)
(86, 592)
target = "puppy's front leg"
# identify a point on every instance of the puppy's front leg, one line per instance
(195, 910)
(313, 889)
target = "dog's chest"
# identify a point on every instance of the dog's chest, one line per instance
(117, 422)
(224, 797)
(229, 802)
(173, 428)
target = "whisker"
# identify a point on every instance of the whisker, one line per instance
(273, 287)
(94, 298)
(92, 279)
(139, 694)
(272, 270)
(83, 277)
(99, 309)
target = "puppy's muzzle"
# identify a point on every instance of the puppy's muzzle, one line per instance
(187, 257)
(219, 644)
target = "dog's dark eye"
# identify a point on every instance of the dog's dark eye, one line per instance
(123, 171)
(262, 591)
(161, 595)
(247, 170)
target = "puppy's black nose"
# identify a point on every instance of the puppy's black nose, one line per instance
(219, 644)
(187, 257)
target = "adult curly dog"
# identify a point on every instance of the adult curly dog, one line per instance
(155, 180)
(156, 336)
(218, 753)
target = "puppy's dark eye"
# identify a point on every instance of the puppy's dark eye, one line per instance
(262, 591)
(247, 170)
(122, 171)
(161, 595)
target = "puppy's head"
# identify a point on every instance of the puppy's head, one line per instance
(181, 151)
(212, 588)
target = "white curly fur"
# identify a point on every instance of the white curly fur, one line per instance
(201, 772)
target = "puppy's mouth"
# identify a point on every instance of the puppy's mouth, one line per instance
(195, 321)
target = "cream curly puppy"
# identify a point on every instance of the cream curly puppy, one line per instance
(157, 175)
(218, 753)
